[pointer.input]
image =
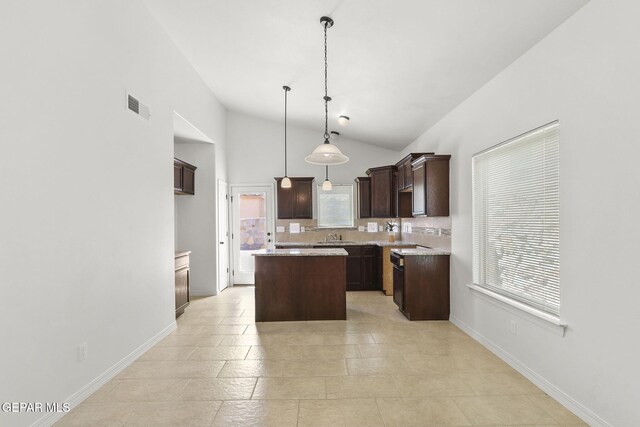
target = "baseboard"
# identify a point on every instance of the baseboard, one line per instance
(86, 391)
(567, 401)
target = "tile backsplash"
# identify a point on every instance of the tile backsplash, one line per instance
(434, 232)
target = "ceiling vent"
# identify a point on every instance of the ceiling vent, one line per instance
(134, 105)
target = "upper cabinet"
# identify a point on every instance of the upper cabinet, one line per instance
(405, 174)
(364, 196)
(431, 185)
(295, 202)
(184, 177)
(383, 191)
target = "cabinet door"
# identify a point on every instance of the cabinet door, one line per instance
(285, 201)
(383, 193)
(401, 176)
(408, 175)
(419, 190)
(369, 270)
(364, 197)
(188, 180)
(182, 290)
(354, 268)
(177, 177)
(302, 203)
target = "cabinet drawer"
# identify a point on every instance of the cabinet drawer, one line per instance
(182, 262)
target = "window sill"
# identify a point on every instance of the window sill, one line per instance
(545, 320)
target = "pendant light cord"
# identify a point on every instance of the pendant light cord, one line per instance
(326, 91)
(285, 130)
(326, 170)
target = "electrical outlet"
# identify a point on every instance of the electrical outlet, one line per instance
(513, 327)
(83, 351)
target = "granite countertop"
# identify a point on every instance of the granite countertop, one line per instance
(348, 243)
(420, 251)
(181, 253)
(302, 252)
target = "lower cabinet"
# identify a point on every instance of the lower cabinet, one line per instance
(421, 287)
(363, 272)
(182, 281)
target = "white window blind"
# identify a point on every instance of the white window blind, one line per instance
(516, 219)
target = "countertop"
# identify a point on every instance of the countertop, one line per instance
(420, 251)
(302, 252)
(398, 244)
(181, 253)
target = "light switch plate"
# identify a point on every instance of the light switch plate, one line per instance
(380, 228)
(302, 229)
(407, 227)
(280, 229)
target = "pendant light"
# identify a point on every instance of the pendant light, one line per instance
(286, 182)
(326, 185)
(326, 153)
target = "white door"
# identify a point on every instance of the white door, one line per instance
(223, 236)
(253, 228)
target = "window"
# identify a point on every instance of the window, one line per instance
(335, 207)
(516, 220)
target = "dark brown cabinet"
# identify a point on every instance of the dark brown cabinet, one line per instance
(295, 202)
(383, 191)
(363, 185)
(430, 196)
(363, 273)
(405, 184)
(421, 286)
(184, 177)
(182, 281)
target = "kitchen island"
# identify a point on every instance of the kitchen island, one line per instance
(300, 284)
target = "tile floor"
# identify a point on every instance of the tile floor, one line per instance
(219, 368)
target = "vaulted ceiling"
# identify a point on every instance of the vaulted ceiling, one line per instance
(395, 67)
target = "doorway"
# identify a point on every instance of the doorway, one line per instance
(252, 229)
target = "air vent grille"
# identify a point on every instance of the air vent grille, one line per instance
(138, 107)
(134, 104)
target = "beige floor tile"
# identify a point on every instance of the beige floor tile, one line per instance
(219, 389)
(148, 390)
(220, 353)
(98, 414)
(258, 413)
(292, 352)
(187, 330)
(167, 353)
(241, 320)
(102, 394)
(290, 388)
(334, 338)
(502, 410)
(173, 413)
(224, 329)
(378, 366)
(277, 339)
(439, 411)
(172, 369)
(443, 385)
(345, 412)
(558, 412)
(240, 340)
(252, 368)
(222, 312)
(306, 368)
(211, 340)
(499, 383)
(179, 340)
(351, 387)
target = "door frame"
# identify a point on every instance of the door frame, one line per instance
(271, 226)
(222, 230)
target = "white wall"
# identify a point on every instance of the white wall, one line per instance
(585, 74)
(256, 152)
(196, 217)
(86, 225)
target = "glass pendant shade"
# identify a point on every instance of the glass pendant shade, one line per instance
(326, 185)
(326, 154)
(285, 183)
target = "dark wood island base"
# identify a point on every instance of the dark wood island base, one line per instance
(295, 285)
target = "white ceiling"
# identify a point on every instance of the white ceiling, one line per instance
(395, 67)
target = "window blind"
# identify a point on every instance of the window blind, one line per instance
(516, 219)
